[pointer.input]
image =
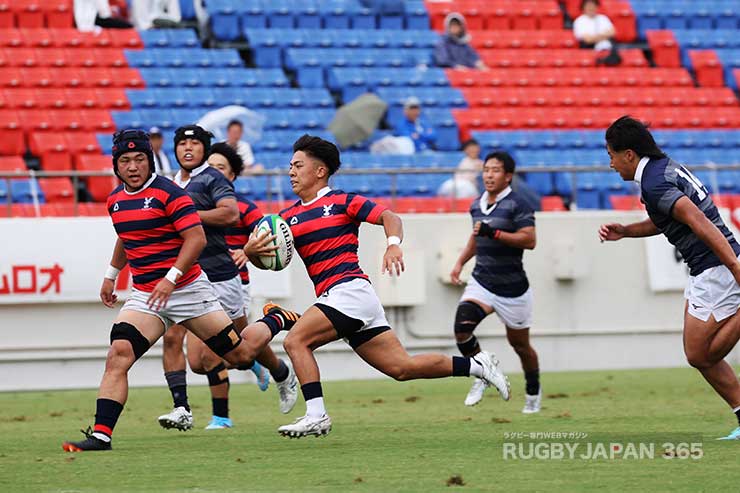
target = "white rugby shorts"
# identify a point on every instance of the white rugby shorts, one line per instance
(515, 313)
(231, 296)
(713, 292)
(194, 300)
(247, 297)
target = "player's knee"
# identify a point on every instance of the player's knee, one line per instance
(292, 343)
(225, 341)
(126, 342)
(243, 356)
(467, 318)
(698, 360)
(520, 347)
(120, 356)
(196, 363)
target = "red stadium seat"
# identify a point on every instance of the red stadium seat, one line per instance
(114, 98)
(126, 38)
(51, 148)
(81, 143)
(665, 48)
(109, 57)
(707, 67)
(58, 14)
(12, 163)
(81, 57)
(12, 143)
(94, 208)
(81, 97)
(32, 120)
(20, 98)
(552, 203)
(11, 37)
(36, 38)
(524, 15)
(97, 77)
(28, 13)
(7, 19)
(70, 38)
(70, 77)
(21, 57)
(57, 189)
(99, 39)
(97, 121)
(626, 203)
(624, 19)
(127, 77)
(99, 186)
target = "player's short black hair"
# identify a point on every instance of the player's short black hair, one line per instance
(236, 163)
(630, 133)
(238, 123)
(320, 149)
(504, 157)
(469, 142)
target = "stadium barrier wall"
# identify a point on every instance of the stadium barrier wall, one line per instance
(594, 304)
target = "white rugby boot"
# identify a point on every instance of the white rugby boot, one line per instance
(180, 419)
(476, 392)
(492, 376)
(532, 403)
(288, 390)
(306, 426)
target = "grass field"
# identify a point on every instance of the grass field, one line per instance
(387, 436)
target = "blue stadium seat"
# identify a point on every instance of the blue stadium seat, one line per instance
(187, 116)
(142, 99)
(184, 38)
(23, 191)
(127, 119)
(187, 9)
(279, 14)
(253, 16)
(200, 97)
(308, 15)
(158, 77)
(416, 15)
(105, 141)
(3, 192)
(336, 14)
(141, 58)
(224, 19)
(363, 18)
(542, 183)
(155, 38)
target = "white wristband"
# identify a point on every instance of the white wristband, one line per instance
(394, 240)
(111, 273)
(173, 274)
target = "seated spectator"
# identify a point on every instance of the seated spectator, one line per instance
(465, 181)
(146, 14)
(91, 13)
(592, 29)
(453, 49)
(234, 132)
(161, 161)
(413, 126)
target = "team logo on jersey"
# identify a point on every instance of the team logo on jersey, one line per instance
(327, 210)
(294, 220)
(147, 202)
(115, 207)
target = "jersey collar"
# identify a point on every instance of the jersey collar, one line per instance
(178, 176)
(143, 187)
(641, 169)
(485, 208)
(319, 194)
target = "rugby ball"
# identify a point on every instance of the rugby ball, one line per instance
(272, 224)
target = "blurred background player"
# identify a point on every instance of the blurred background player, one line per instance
(215, 200)
(680, 207)
(325, 225)
(503, 227)
(161, 161)
(160, 236)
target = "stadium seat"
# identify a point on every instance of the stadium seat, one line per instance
(708, 68)
(99, 186)
(552, 203)
(24, 191)
(57, 189)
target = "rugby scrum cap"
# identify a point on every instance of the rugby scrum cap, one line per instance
(195, 132)
(131, 140)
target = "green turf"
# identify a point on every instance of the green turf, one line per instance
(387, 436)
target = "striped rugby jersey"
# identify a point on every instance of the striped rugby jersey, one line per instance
(325, 231)
(207, 186)
(236, 237)
(149, 222)
(498, 267)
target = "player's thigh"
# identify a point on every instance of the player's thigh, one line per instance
(488, 309)
(517, 337)
(312, 330)
(208, 325)
(240, 323)
(150, 326)
(383, 352)
(698, 334)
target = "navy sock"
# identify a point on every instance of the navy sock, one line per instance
(533, 382)
(281, 373)
(107, 412)
(220, 407)
(273, 322)
(178, 388)
(460, 366)
(311, 391)
(470, 347)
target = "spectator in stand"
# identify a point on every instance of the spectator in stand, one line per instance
(414, 127)
(453, 49)
(464, 183)
(592, 29)
(146, 14)
(94, 14)
(161, 161)
(234, 132)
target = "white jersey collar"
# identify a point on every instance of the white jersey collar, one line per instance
(319, 194)
(485, 208)
(641, 169)
(178, 176)
(143, 187)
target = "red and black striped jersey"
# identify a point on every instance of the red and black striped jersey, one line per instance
(236, 237)
(149, 222)
(325, 232)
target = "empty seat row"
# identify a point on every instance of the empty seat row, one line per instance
(21, 191)
(707, 38)
(517, 39)
(62, 57)
(578, 77)
(506, 58)
(597, 96)
(229, 17)
(686, 15)
(57, 151)
(179, 57)
(441, 97)
(70, 38)
(353, 81)
(213, 77)
(170, 38)
(340, 38)
(63, 98)
(497, 15)
(212, 98)
(70, 77)
(359, 57)
(65, 119)
(36, 13)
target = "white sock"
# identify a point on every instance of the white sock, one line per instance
(101, 436)
(476, 369)
(315, 407)
(736, 409)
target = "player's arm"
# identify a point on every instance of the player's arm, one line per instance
(525, 238)
(616, 231)
(117, 262)
(393, 256)
(467, 253)
(685, 211)
(224, 215)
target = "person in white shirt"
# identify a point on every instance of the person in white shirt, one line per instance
(145, 12)
(161, 161)
(464, 183)
(91, 15)
(234, 132)
(592, 29)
